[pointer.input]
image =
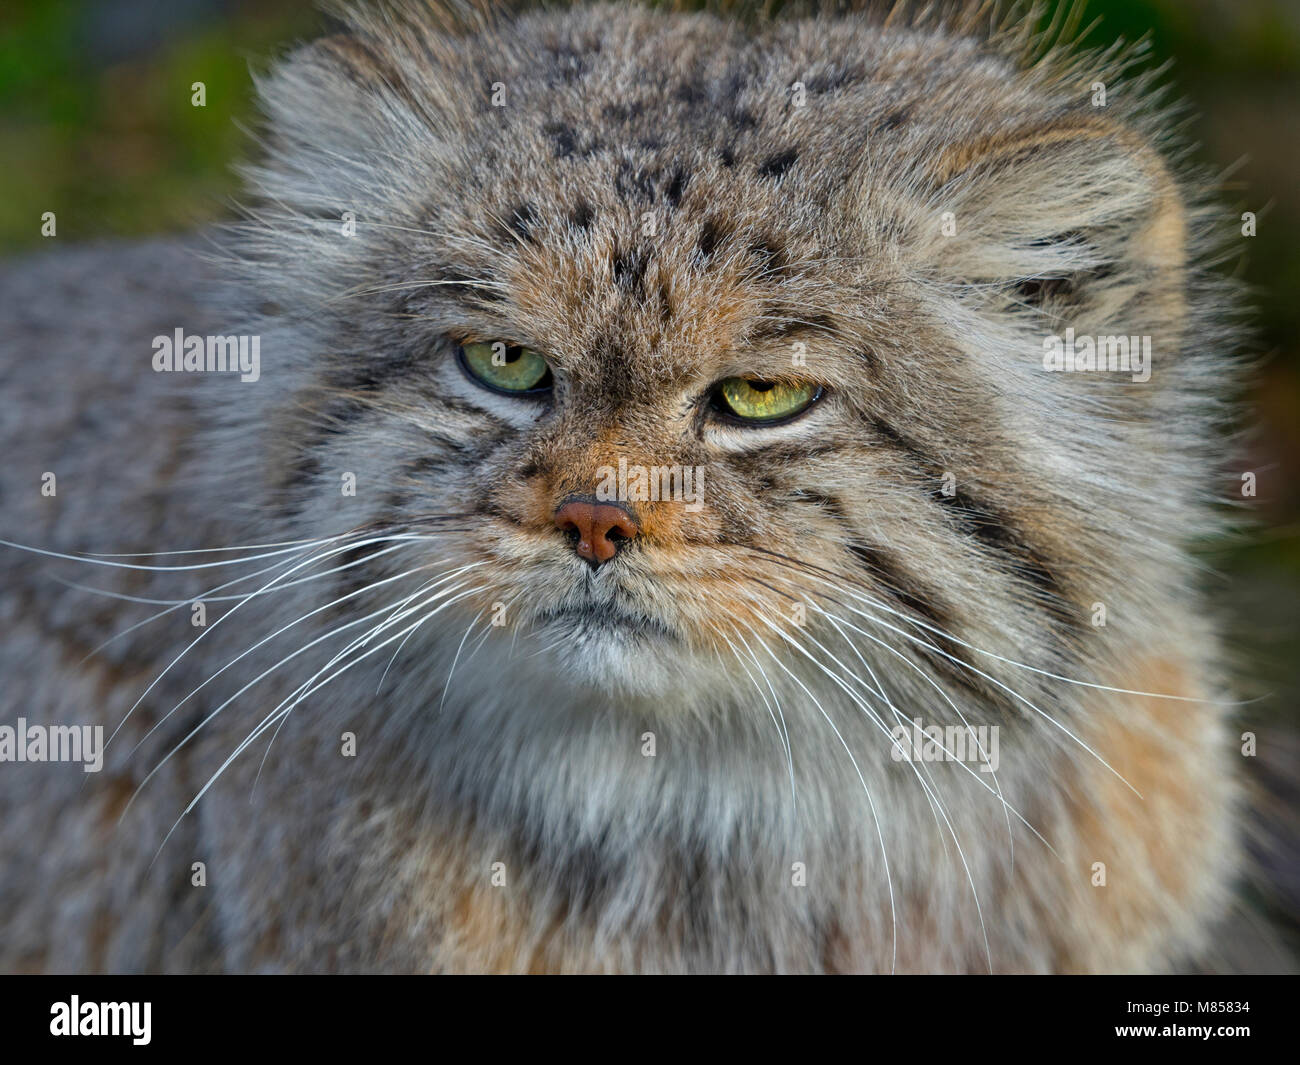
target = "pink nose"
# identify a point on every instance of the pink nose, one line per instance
(600, 528)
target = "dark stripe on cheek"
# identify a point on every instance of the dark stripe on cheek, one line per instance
(832, 505)
(997, 534)
(944, 654)
(993, 531)
(665, 302)
(304, 469)
(775, 455)
(371, 375)
(338, 415)
(929, 467)
(891, 578)
(359, 572)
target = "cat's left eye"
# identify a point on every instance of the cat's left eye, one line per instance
(507, 368)
(763, 402)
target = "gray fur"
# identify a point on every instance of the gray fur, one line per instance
(773, 224)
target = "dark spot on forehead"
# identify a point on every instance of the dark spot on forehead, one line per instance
(629, 267)
(582, 215)
(634, 183)
(568, 60)
(616, 112)
(742, 118)
(677, 185)
(521, 220)
(776, 165)
(770, 255)
(566, 140)
(712, 234)
(891, 121)
(832, 80)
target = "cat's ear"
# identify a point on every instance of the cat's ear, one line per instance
(331, 90)
(1079, 217)
(335, 111)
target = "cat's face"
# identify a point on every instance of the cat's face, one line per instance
(690, 374)
(703, 287)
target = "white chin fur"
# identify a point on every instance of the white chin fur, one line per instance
(613, 659)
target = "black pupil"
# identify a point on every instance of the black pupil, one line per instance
(762, 386)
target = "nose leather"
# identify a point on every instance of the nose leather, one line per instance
(600, 528)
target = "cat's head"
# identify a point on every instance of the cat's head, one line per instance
(531, 274)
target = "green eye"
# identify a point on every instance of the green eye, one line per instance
(506, 368)
(764, 401)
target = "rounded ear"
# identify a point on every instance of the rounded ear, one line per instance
(324, 89)
(384, 70)
(1080, 207)
(348, 120)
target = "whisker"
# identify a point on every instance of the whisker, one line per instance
(993, 680)
(783, 732)
(284, 628)
(893, 915)
(265, 673)
(262, 727)
(97, 561)
(845, 579)
(942, 812)
(1011, 840)
(238, 606)
(456, 658)
(207, 550)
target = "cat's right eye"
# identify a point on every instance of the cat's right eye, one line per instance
(760, 403)
(510, 369)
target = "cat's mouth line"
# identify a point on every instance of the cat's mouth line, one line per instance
(598, 617)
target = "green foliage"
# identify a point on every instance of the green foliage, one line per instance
(112, 144)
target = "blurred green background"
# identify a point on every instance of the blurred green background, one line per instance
(96, 125)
